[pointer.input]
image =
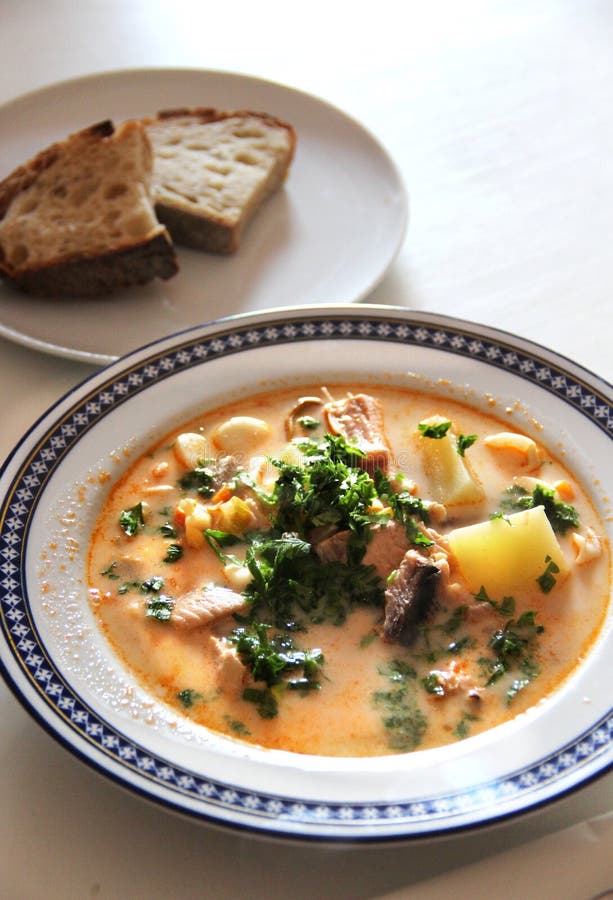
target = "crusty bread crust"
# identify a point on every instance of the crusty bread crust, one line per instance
(77, 219)
(99, 275)
(188, 215)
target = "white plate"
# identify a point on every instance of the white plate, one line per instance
(328, 236)
(64, 672)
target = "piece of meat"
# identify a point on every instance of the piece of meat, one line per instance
(385, 550)
(205, 606)
(223, 469)
(333, 548)
(409, 597)
(359, 419)
(229, 670)
(455, 679)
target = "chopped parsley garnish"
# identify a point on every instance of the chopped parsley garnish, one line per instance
(402, 718)
(201, 480)
(513, 645)
(464, 442)
(237, 726)
(188, 697)
(506, 607)
(457, 617)
(159, 607)
(288, 580)
(218, 539)
(154, 584)
(367, 639)
(264, 700)
(406, 508)
(434, 684)
(130, 520)
(173, 553)
(270, 659)
(436, 432)
(500, 515)
(547, 580)
(562, 516)
(329, 490)
(398, 670)
(462, 728)
(168, 530)
(309, 423)
(110, 572)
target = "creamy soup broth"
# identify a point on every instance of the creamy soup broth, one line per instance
(368, 685)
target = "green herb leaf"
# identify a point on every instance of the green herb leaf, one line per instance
(159, 607)
(308, 423)
(506, 607)
(264, 700)
(153, 584)
(547, 581)
(562, 516)
(237, 726)
(464, 442)
(512, 645)
(201, 480)
(110, 572)
(270, 658)
(188, 697)
(436, 432)
(461, 730)
(130, 520)
(433, 684)
(173, 553)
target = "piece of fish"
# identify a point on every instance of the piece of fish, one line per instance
(205, 606)
(359, 419)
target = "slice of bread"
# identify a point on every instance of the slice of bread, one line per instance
(213, 170)
(77, 219)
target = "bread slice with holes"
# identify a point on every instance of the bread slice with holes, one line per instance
(213, 170)
(78, 220)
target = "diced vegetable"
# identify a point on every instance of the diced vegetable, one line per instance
(506, 555)
(451, 481)
(196, 522)
(233, 516)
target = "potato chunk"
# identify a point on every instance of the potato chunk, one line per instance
(451, 481)
(507, 555)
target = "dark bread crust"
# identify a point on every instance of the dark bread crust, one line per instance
(198, 232)
(96, 276)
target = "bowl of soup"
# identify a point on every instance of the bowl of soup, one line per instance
(339, 574)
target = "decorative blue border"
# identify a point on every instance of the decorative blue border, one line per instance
(591, 748)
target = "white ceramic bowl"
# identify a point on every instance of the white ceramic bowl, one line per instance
(65, 674)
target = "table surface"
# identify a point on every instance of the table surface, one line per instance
(498, 115)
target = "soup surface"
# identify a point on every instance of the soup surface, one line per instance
(349, 571)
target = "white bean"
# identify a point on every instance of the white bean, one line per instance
(240, 434)
(189, 448)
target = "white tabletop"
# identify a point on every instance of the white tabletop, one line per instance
(498, 116)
